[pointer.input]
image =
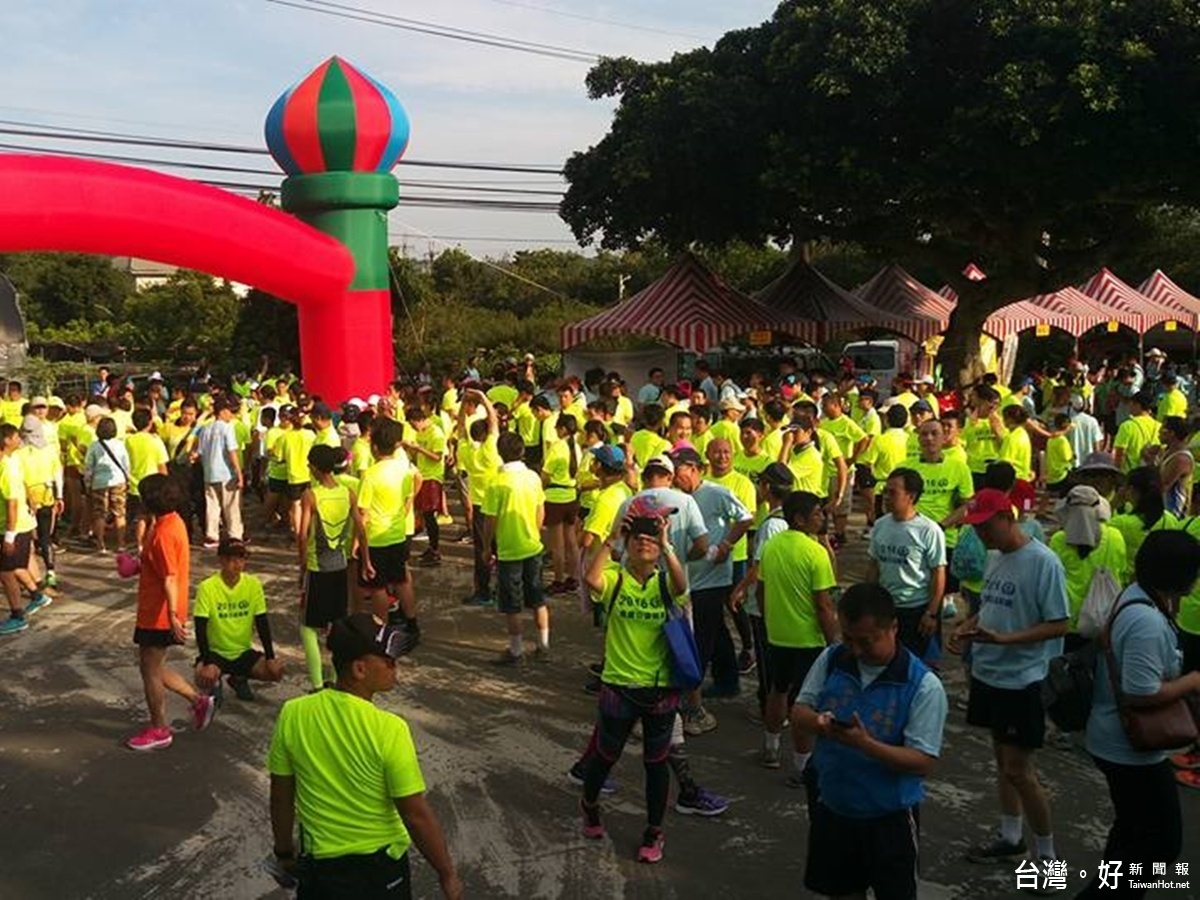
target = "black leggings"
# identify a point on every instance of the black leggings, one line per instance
(1147, 825)
(712, 636)
(483, 556)
(45, 534)
(433, 529)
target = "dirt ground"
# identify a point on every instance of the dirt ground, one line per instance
(86, 818)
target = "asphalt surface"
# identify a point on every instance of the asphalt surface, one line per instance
(86, 818)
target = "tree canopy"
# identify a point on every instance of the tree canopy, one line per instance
(1032, 137)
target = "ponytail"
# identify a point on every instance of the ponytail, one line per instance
(568, 424)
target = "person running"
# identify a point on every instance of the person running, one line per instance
(349, 772)
(514, 507)
(1148, 822)
(908, 558)
(1022, 618)
(106, 475)
(162, 610)
(329, 523)
(796, 577)
(636, 681)
(878, 715)
(147, 456)
(428, 452)
(560, 479)
(19, 528)
(230, 605)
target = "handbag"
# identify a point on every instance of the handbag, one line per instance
(686, 672)
(1166, 727)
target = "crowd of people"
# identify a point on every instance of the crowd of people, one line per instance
(729, 503)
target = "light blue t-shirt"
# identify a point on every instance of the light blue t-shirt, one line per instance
(649, 393)
(772, 525)
(685, 526)
(100, 470)
(720, 510)
(926, 716)
(1021, 589)
(1084, 436)
(907, 552)
(215, 441)
(1147, 654)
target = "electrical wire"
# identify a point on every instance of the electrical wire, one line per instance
(599, 21)
(372, 17)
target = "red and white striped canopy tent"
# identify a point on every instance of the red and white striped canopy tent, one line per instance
(898, 294)
(1114, 294)
(689, 306)
(1023, 315)
(804, 293)
(1162, 290)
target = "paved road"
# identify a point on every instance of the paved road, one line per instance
(87, 818)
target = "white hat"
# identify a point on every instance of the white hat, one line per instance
(924, 379)
(1155, 352)
(357, 402)
(155, 376)
(373, 400)
(662, 461)
(94, 411)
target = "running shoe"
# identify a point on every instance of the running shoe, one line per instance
(700, 722)
(241, 688)
(36, 602)
(13, 624)
(651, 850)
(575, 776)
(209, 545)
(746, 663)
(1188, 778)
(151, 739)
(51, 579)
(593, 828)
(701, 802)
(445, 520)
(769, 758)
(507, 659)
(429, 559)
(203, 711)
(998, 850)
(1186, 760)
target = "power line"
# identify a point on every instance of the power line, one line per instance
(55, 132)
(441, 238)
(372, 17)
(582, 18)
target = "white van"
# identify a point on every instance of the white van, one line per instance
(883, 360)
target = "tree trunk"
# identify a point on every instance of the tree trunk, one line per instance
(959, 354)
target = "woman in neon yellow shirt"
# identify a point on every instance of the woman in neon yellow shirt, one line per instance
(560, 476)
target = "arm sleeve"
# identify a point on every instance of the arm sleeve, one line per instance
(814, 681)
(263, 627)
(402, 771)
(927, 717)
(202, 636)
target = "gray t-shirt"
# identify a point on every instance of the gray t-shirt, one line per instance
(1147, 654)
(720, 510)
(1021, 589)
(907, 553)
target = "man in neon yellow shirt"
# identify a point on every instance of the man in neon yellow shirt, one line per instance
(294, 445)
(479, 461)
(726, 427)
(428, 451)
(983, 432)
(851, 440)
(349, 771)
(322, 419)
(19, 526)
(43, 485)
(514, 511)
(229, 606)
(1173, 402)
(147, 455)
(647, 442)
(385, 498)
(11, 406)
(1136, 433)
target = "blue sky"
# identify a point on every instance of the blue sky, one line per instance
(210, 69)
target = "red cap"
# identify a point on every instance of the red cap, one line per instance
(987, 503)
(1023, 495)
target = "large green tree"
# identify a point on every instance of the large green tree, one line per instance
(1031, 137)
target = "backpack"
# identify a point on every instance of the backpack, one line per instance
(970, 556)
(1102, 594)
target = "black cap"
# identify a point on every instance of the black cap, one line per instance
(777, 475)
(321, 411)
(361, 634)
(232, 547)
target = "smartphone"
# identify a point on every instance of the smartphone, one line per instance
(843, 723)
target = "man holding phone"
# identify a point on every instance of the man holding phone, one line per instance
(878, 714)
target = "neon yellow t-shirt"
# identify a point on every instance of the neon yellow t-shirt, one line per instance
(845, 431)
(1135, 435)
(648, 444)
(41, 468)
(808, 467)
(351, 760)
(562, 486)
(515, 499)
(327, 437)
(948, 485)
(504, 393)
(230, 612)
(361, 457)
(1059, 456)
(831, 452)
(331, 505)
(890, 450)
(12, 487)
(751, 466)
(982, 444)
(1108, 554)
(1172, 403)
(742, 488)
(69, 427)
(276, 467)
(385, 498)
(146, 453)
(1017, 449)
(1134, 531)
(636, 653)
(793, 568)
(608, 503)
(481, 462)
(432, 439)
(10, 411)
(772, 444)
(723, 428)
(293, 448)
(1189, 607)
(623, 414)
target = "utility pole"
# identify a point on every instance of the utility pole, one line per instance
(621, 282)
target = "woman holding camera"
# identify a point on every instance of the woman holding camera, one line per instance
(636, 681)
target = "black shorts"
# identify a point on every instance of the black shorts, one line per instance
(326, 597)
(238, 668)
(864, 476)
(19, 558)
(1014, 717)
(562, 513)
(909, 621)
(366, 875)
(277, 486)
(155, 637)
(847, 856)
(789, 667)
(295, 491)
(391, 566)
(133, 507)
(520, 583)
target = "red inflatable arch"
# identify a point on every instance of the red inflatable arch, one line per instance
(52, 203)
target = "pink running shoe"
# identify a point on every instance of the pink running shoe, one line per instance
(593, 828)
(151, 739)
(203, 711)
(651, 850)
